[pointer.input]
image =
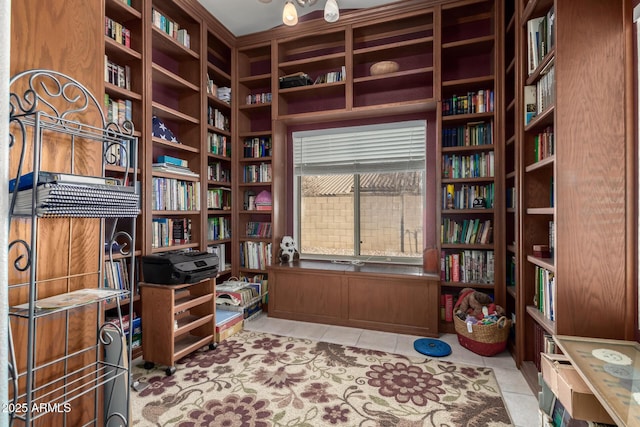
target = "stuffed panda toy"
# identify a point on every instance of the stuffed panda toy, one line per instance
(288, 252)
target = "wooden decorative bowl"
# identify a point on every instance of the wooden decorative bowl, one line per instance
(384, 67)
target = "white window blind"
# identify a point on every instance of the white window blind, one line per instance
(387, 147)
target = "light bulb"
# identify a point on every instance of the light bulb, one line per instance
(331, 11)
(289, 14)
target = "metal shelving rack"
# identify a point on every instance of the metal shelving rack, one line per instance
(46, 105)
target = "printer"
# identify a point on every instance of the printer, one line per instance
(177, 267)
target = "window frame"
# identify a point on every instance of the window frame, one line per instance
(357, 257)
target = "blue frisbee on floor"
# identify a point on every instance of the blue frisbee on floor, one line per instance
(432, 347)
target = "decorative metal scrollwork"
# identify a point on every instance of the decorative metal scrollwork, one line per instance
(21, 257)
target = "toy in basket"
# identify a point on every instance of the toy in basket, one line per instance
(481, 325)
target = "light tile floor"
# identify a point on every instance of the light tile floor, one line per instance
(520, 401)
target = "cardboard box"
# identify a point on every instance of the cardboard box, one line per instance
(227, 332)
(227, 323)
(569, 387)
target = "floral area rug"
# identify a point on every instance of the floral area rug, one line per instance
(259, 379)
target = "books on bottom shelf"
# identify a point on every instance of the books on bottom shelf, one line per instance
(116, 275)
(123, 322)
(246, 301)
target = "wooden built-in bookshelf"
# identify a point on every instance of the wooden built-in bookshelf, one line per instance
(470, 152)
(569, 186)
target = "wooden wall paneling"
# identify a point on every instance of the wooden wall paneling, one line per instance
(591, 195)
(48, 39)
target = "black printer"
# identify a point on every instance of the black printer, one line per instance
(177, 267)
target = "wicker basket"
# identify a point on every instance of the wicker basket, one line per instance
(485, 340)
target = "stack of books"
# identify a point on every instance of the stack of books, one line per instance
(170, 164)
(69, 195)
(224, 94)
(263, 201)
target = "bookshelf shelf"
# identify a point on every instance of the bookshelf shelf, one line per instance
(174, 146)
(119, 51)
(546, 263)
(546, 324)
(541, 211)
(544, 163)
(112, 89)
(164, 42)
(166, 78)
(334, 60)
(166, 112)
(481, 44)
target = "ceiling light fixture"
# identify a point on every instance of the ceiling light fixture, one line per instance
(331, 11)
(289, 14)
(304, 3)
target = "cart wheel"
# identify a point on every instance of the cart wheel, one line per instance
(170, 370)
(149, 365)
(213, 346)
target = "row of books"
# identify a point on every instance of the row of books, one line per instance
(167, 232)
(332, 76)
(468, 266)
(470, 134)
(223, 93)
(135, 323)
(543, 144)
(540, 38)
(255, 255)
(171, 28)
(116, 275)
(218, 228)
(212, 87)
(69, 195)
(118, 75)
(476, 165)
(545, 292)
(174, 195)
(257, 173)
(258, 98)
(447, 302)
(480, 101)
(466, 231)
(216, 171)
(117, 110)
(255, 148)
(258, 229)
(217, 119)
(218, 144)
(541, 96)
(116, 31)
(221, 251)
(464, 196)
(219, 198)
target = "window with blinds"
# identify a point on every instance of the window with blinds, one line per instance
(360, 192)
